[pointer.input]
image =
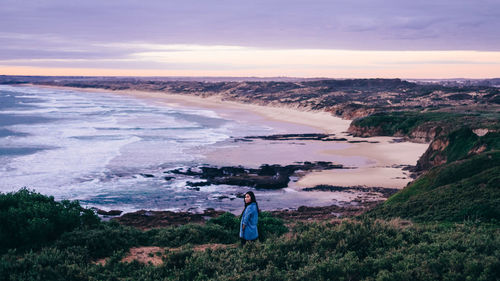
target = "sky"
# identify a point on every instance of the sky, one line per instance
(263, 38)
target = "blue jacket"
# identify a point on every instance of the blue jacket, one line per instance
(249, 218)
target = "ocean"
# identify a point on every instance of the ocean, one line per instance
(113, 151)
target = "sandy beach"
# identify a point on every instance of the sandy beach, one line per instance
(368, 164)
(375, 162)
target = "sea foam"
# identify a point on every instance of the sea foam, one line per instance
(95, 146)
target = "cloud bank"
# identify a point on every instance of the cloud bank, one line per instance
(223, 35)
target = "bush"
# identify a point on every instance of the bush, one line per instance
(223, 229)
(103, 240)
(29, 220)
(269, 226)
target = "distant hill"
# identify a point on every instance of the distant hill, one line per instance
(493, 82)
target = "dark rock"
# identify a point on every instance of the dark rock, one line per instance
(265, 177)
(243, 140)
(109, 213)
(189, 172)
(147, 175)
(168, 178)
(287, 137)
(199, 183)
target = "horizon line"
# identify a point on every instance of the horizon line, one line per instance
(240, 77)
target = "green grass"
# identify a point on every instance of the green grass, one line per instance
(458, 191)
(345, 250)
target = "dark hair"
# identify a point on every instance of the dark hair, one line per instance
(252, 200)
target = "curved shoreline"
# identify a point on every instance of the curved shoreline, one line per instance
(381, 154)
(378, 160)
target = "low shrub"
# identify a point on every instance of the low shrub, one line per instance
(29, 220)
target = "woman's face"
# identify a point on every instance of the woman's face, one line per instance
(248, 199)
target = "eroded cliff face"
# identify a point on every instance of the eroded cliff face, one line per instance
(422, 134)
(446, 140)
(434, 155)
(365, 132)
(461, 143)
(426, 134)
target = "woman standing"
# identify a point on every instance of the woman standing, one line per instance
(249, 219)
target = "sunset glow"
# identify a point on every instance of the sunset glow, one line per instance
(338, 39)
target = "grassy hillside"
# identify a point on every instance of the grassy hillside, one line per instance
(338, 250)
(468, 189)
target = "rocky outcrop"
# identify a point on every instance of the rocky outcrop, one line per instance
(265, 177)
(286, 137)
(110, 213)
(365, 132)
(425, 134)
(478, 149)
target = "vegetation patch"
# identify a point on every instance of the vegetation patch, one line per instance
(343, 250)
(29, 220)
(440, 123)
(459, 191)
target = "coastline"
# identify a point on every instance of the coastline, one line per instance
(379, 160)
(375, 162)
